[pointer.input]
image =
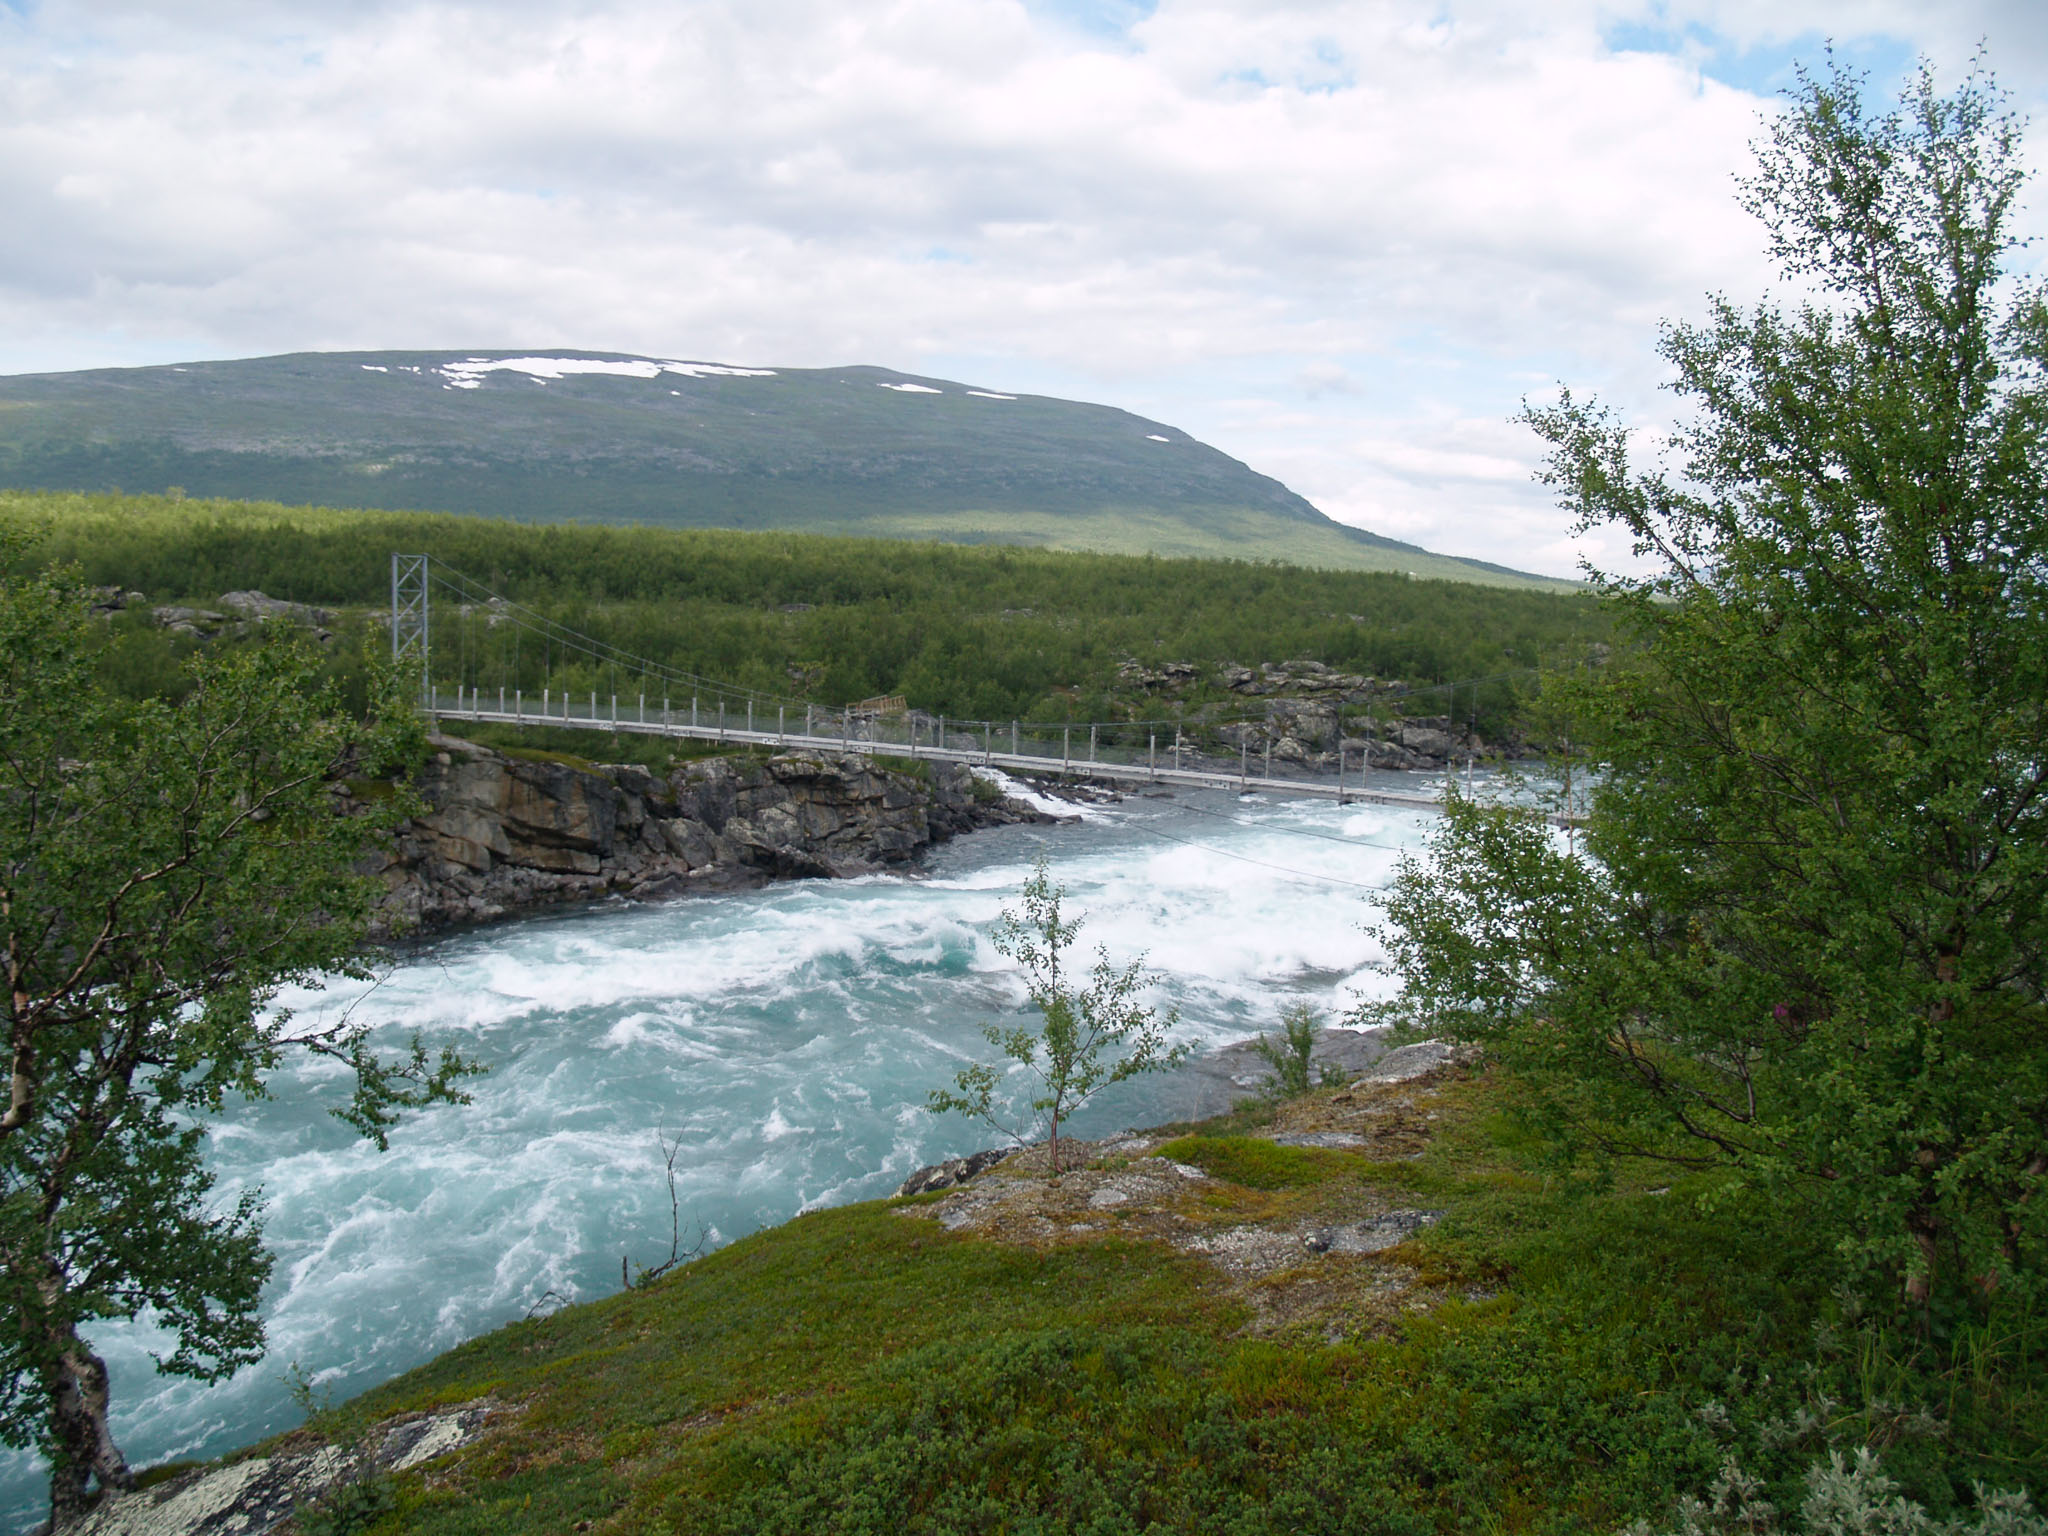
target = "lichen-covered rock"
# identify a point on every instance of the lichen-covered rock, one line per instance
(261, 1494)
(503, 834)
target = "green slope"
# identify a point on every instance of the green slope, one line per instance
(841, 450)
(1547, 1360)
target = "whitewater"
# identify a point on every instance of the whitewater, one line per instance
(787, 1035)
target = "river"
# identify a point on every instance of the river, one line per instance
(788, 1036)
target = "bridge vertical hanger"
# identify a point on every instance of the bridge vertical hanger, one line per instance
(409, 623)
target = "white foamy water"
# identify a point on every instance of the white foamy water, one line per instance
(787, 1035)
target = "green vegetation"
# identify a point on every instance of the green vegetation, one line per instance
(967, 632)
(353, 1506)
(168, 865)
(813, 450)
(1089, 1037)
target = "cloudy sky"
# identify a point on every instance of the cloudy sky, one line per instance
(1340, 239)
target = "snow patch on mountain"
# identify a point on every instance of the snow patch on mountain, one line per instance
(469, 372)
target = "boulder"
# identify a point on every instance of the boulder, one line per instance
(1427, 741)
(187, 621)
(954, 1171)
(256, 605)
(1390, 754)
(689, 841)
(106, 600)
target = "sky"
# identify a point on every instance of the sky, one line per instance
(1341, 240)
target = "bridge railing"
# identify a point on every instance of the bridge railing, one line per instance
(1017, 746)
(1071, 747)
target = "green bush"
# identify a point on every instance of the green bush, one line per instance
(1115, 1433)
(349, 1507)
(1292, 1056)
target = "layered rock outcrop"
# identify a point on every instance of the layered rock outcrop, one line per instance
(1315, 717)
(1309, 732)
(503, 834)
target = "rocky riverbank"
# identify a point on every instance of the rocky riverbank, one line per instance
(507, 833)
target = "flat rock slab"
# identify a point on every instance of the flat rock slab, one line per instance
(1326, 1260)
(1406, 1063)
(1247, 1252)
(1343, 1141)
(1124, 1186)
(253, 1497)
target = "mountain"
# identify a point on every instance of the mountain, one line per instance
(601, 437)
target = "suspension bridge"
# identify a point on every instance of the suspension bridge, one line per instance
(668, 702)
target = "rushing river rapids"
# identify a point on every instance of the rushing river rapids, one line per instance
(788, 1035)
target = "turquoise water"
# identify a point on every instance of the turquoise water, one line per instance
(788, 1036)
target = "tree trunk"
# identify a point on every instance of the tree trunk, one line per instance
(1926, 1234)
(82, 1446)
(1054, 1152)
(1923, 1221)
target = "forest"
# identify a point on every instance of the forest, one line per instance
(966, 631)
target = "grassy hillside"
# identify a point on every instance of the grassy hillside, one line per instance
(1555, 1356)
(967, 631)
(842, 450)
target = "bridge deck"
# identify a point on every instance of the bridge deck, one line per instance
(986, 755)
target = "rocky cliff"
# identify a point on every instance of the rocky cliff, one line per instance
(504, 833)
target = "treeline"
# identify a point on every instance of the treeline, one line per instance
(989, 631)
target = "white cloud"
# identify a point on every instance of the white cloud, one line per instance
(1375, 221)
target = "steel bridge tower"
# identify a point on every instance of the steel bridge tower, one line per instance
(410, 636)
